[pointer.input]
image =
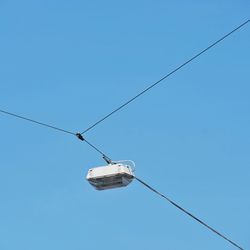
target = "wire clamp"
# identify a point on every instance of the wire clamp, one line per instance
(79, 136)
(108, 160)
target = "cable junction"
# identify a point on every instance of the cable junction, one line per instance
(164, 77)
(189, 214)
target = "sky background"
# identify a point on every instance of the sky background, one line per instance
(68, 63)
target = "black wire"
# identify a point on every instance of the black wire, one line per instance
(37, 122)
(163, 78)
(55, 128)
(99, 151)
(188, 213)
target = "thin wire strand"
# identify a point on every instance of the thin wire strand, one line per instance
(163, 78)
(37, 122)
(98, 150)
(52, 127)
(188, 213)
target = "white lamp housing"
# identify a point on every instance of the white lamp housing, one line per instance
(110, 176)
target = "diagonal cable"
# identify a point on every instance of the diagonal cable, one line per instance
(37, 122)
(189, 214)
(104, 156)
(163, 78)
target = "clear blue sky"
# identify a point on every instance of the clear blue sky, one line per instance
(68, 63)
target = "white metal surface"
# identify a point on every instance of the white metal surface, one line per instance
(110, 176)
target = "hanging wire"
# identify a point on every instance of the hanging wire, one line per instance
(188, 213)
(163, 78)
(104, 156)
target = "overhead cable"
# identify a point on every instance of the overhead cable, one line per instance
(164, 77)
(104, 156)
(37, 122)
(78, 135)
(188, 213)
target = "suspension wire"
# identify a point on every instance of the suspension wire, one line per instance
(37, 122)
(78, 135)
(104, 156)
(188, 213)
(164, 77)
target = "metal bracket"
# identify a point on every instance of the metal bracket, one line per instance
(105, 158)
